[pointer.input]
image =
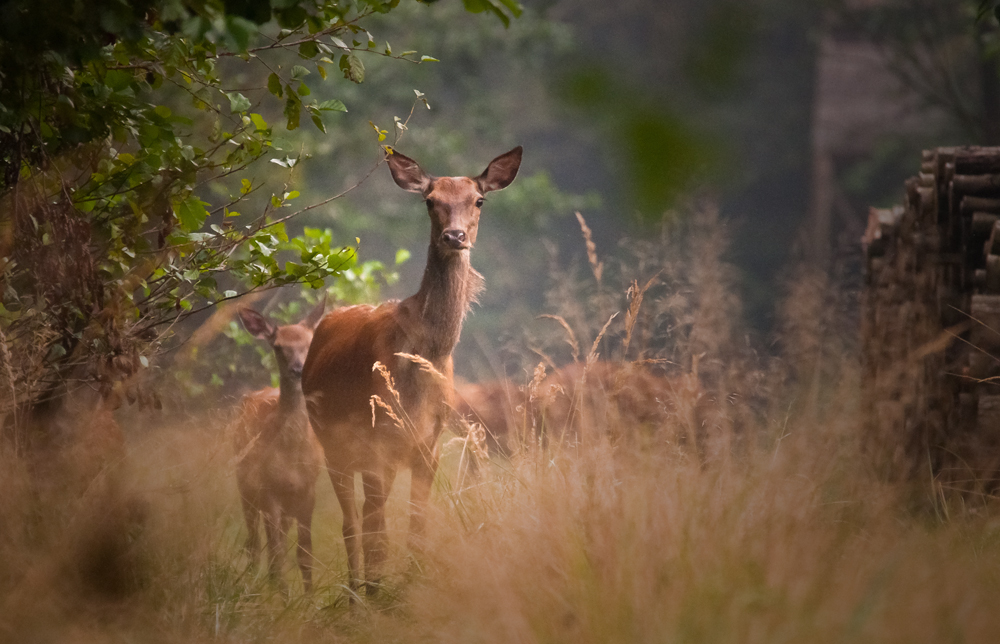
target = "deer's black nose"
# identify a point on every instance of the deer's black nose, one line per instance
(454, 238)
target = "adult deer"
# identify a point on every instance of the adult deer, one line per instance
(278, 457)
(578, 397)
(360, 436)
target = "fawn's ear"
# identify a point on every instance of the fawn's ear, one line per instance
(316, 314)
(407, 174)
(257, 325)
(500, 172)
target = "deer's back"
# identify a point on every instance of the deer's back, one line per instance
(625, 394)
(337, 378)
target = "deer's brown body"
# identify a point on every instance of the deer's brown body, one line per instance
(575, 398)
(613, 396)
(278, 456)
(340, 384)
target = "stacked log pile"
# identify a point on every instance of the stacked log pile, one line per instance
(931, 322)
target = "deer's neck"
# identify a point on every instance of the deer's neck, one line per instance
(291, 401)
(449, 288)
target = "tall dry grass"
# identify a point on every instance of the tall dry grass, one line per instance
(782, 534)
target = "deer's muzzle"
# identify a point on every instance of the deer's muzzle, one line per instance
(454, 238)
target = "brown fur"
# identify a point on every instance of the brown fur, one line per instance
(497, 405)
(278, 456)
(612, 395)
(574, 397)
(339, 382)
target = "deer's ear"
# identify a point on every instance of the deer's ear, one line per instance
(316, 314)
(257, 325)
(407, 174)
(500, 172)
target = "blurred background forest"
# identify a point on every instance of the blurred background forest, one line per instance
(791, 118)
(794, 117)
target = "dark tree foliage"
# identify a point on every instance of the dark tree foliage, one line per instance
(118, 119)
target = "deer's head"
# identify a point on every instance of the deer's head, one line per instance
(454, 203)
(290, 342)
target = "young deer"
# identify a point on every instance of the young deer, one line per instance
(359, 436)
(278, 457)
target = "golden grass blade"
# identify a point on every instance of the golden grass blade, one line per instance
(592, 357)
(635, 295)
(596, 266)
(536, 380)
(389, 382)
(425, 365)
(377, 402)
(570, 336)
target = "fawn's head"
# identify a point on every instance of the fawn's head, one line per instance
(290, 342)
(454, 203)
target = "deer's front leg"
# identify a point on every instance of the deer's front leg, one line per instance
(343, 486)
(377, 486)
(423, 466)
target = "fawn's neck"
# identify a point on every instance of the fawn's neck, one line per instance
(292, 403)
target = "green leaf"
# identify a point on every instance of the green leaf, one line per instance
(274, 84)
(332, 105)
(239, 30)
(308, 49)
(118, 80)
(353, 68)
(191, 213)
(238, 102)
(381, 133)
(498, 12)
(292, 17)
(318, 122)
(515, 8)
(278, 230)
(429, 59)
(245, 186)
(293, 108)
(299, 72)
(402, 255)
(259, 122)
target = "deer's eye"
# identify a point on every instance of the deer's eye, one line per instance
(430, 203)
(479, 202)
